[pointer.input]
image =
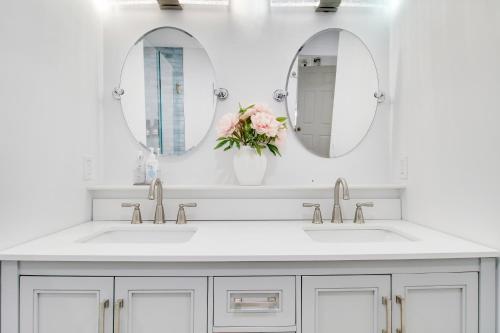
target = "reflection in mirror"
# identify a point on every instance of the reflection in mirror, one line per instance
(168, 83)
(331, 86)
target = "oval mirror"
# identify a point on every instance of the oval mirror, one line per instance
(331, 87)
(168, 91)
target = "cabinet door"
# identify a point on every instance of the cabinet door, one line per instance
(66, 304)
(350, 304)
(161, 305)
(435, 303)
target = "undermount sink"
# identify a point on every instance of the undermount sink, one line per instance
(355, 235)
(152, 235)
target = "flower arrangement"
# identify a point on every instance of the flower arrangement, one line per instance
(254, 126)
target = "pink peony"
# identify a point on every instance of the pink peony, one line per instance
(265, 123)
(227, 124)
(257, 108)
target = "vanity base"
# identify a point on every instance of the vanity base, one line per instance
(446, 295)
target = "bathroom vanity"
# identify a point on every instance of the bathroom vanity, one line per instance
(248, 275)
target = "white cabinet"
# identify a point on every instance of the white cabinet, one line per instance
(161, 304)
(436, 303)
(87, 305)
(65, 304)
(353, 304)
(392, 303)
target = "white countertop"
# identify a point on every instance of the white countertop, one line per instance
(245, 241)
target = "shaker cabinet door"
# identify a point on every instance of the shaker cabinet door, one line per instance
(161, 305)
(66, 304)
(350, 304)
(435, 303)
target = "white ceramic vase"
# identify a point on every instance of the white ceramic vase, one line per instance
(249, 167)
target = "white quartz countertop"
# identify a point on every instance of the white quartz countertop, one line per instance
(245, 241)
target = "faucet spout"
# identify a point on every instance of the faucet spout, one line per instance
(156, 192)
(345, 190)
(337, 211)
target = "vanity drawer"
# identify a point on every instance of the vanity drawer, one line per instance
(254, 301)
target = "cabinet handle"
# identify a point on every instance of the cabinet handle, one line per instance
(388, 314)
(401, 301)
(102, 312)
(118, 307)
(254, 302)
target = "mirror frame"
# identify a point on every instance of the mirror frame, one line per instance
(216, 100)
(288, 80)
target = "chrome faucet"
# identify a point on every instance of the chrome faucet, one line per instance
(337, 211)
(156, 192)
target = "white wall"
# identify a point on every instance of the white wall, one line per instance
(251, 47)
(49, 102)
(445, 89)
(132, 83)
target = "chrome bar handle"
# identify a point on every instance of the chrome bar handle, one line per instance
(118, 306)
(388, 314)
(102, 313)
(271, 301)
(401, 301)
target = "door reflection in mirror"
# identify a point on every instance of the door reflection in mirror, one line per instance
(331, 85)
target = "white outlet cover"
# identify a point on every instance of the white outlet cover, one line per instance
(88, 168)
(403, 168)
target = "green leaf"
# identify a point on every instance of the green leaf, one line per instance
(281, 119)
(274, 149)
(220, 144)
(227, 148)
(271, 150)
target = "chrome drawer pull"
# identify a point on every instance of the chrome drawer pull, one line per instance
(401, 301)
(254, 302)
(118, 306)
(271, 301)
(388, 305)
(102, 312)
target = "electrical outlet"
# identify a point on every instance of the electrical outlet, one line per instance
(403, 168)
(88, 168)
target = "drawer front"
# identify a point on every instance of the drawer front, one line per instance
(254, 301)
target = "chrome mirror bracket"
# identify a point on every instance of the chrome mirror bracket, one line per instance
(221, 93)
(279, 95)
(380, 96)
(118, 93)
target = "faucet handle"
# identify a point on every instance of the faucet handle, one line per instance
(136, 215)
(181, 214)
(317, 218)
(358, 214)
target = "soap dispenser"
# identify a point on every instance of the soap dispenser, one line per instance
(152, 167)
(139, 170)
